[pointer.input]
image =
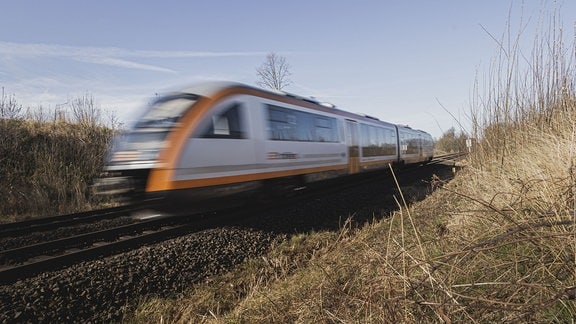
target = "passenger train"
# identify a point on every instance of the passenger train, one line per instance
(228, 140)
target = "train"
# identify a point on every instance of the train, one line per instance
(220, 142)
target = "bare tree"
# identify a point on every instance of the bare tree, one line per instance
(274, 73)
(9, 108)
(84, 110)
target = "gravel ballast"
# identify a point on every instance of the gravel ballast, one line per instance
(100, 290)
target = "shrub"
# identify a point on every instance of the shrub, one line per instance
(47, 167)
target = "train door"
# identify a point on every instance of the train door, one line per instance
(353, 147)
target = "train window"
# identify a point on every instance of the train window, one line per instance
(293, 125)
(377, 141)
(390, 143)
(288, 125)
(322, 122)
(221, 125)
(227, 124)
(166, 111)
(325, 129)
(410, 143)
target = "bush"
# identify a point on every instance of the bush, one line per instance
(47, 167)
(452, 143)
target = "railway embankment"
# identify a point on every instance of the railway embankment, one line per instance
(497, 243)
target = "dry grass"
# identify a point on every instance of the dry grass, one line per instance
(484, 247)
(47, 167)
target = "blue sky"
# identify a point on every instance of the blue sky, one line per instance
(402, 61)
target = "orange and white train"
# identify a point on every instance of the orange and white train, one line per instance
(219, 141)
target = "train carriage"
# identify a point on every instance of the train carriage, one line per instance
(416, 146)
(227, 139)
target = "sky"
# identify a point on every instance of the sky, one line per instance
(410, 62)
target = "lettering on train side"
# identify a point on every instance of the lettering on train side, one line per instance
(282, 156)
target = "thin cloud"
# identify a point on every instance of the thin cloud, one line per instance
(188, 54)
(112, 56)
(123, 63)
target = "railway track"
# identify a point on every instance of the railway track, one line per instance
(24, 261)
(29, 260)
(448, 157)
(32, 259)
(53, 222)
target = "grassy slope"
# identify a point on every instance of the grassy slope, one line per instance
(497, 243)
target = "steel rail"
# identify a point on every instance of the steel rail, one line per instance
(65, 252)
(22, 254)
(53, 262)
(447, 157)
(53, 222)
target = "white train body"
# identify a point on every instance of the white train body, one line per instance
(225, 139)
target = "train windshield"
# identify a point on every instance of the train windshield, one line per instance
(165, 112)
(144, 141)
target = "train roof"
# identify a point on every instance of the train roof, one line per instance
(210, 89)
(410, 129)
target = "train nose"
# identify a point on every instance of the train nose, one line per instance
(128, 184)
(134, 157)
(112, 185)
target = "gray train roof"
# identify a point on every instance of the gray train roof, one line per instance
(208, 89)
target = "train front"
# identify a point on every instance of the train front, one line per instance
(136, 152)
